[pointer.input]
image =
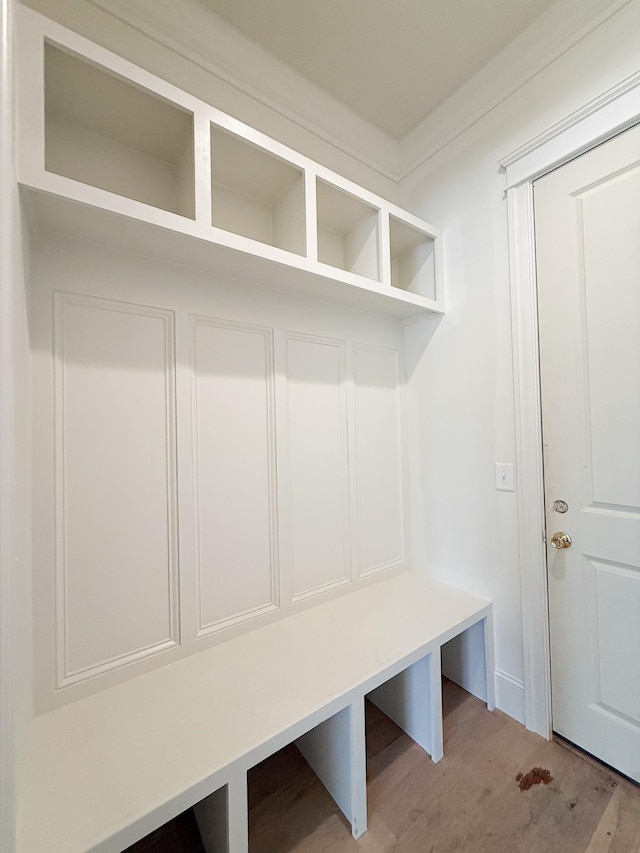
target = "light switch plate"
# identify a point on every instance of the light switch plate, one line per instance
(504, 477)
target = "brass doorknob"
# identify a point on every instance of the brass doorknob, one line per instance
(561, 540)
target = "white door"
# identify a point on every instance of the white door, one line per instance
(587, 218)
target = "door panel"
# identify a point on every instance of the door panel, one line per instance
(588, 258)
(610, 247)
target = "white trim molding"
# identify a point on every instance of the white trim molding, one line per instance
(614, 111)
(510, 695)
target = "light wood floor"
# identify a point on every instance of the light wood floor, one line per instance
(470, 801)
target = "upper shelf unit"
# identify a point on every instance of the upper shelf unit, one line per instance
(114, 154)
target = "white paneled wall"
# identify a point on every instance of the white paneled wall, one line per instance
(208, 456)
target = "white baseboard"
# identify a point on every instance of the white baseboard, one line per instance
(510, 696)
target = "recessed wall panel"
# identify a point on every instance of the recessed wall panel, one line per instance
(378, 458)
(318, 464)
(234, 456)
(116, 566)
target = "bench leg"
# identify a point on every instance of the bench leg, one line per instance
(335, 750)
(223, 819)
(413, 700)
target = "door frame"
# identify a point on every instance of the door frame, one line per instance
(614, 111)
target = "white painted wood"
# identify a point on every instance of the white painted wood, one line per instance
(256, 194)
(587, 218)
(510, 696)
(490, 662)
(238, 813)
(289, 230)
(413, 261)
(612, 306)
(310, 214)
(406, 699)
(385, 247)
(202, 167)
(57, 204)
(361, 247)
(318, 465)
(279, 682)
(15, 612)
(234, 463)
(348, 231)
(464, 660)
(528, 432)
(358, 769)
(146, 173)
(223, 818)
(29, 118)
(378, 459)
(435, 706)
(116, 563)
(610, 113)
(93, 159)
(330, 247)
(335, 751)
(102, 131)
(243, 215)
(212, 816)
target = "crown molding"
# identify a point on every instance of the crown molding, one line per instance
(558, 30)
(190, 30)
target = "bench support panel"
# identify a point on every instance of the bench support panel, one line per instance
(223, 818)
(335, 750)
(413, 700)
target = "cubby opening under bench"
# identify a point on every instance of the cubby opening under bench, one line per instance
(108, 769)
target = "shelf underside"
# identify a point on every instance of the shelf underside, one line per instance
(59, 214)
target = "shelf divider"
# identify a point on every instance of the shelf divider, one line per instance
(202, 166)
(311, 218)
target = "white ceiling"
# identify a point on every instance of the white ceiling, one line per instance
(392, 61)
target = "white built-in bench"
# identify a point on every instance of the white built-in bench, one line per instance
(106, 770)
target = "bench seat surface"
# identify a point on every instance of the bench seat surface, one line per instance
(142, 751)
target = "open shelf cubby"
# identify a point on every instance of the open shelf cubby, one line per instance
(256, 194)
(132, 161)
(412, 259)
(106, 132)
(348, 232)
